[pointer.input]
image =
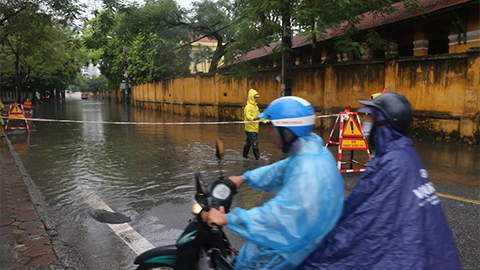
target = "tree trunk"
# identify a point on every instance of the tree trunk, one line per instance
(217, 55)
(57, 95)
(316, 55)
(17, 77)
(286, 51)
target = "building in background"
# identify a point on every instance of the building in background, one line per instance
(201, 54)
(90, 71)
(437, 27)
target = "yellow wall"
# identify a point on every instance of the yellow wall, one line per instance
(444, 90)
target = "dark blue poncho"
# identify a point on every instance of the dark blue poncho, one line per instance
(392, 219)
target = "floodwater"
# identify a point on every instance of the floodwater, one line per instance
(146, 172)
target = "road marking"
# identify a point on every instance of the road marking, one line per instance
(458, 198)
(132, 238)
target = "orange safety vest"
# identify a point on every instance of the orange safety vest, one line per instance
(27, 104)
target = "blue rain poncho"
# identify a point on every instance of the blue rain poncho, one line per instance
(392, 219)
(309, 200)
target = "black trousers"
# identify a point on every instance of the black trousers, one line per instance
(251, 141)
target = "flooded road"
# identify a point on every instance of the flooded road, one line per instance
(145, 172)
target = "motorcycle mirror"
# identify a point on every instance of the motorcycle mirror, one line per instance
(199, 183)
(220, 148)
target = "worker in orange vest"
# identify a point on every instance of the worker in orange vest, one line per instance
(27, 105)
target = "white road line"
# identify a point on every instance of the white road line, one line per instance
(132, 238)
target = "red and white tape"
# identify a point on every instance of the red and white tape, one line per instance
(147, 123)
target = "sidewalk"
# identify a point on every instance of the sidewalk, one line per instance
(28, 237)
(24, 241)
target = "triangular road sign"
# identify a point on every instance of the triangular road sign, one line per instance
(352, 129)
(16, 110)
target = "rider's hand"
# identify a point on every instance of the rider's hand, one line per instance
(238, 180)
(217, 217)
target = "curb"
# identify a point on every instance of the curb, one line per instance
(68, 257)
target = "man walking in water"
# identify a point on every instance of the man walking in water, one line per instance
(250, 113)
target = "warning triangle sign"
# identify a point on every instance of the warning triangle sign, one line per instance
(351, 129)
(17, 109)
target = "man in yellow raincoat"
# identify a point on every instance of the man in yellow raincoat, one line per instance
(250, 113)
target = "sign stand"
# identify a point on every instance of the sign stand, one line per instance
(350, 137)
(16, 113)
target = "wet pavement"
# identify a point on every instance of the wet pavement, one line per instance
(24, 241)
(146, 174)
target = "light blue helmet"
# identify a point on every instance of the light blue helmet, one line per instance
(294, 113)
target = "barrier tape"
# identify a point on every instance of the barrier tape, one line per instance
(148, 123)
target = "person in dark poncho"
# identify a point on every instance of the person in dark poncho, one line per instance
(392, 219)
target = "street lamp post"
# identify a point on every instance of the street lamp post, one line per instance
(126, 93)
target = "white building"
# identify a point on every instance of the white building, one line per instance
(90, 71)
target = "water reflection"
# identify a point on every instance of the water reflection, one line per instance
(147, 160)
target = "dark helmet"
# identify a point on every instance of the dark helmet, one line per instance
(395, 107)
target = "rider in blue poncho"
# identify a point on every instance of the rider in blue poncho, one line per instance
(281, 233)
(392, 219)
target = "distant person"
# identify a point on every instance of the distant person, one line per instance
(38, 96)
(250, 113)
(392, 219)
(27, 105)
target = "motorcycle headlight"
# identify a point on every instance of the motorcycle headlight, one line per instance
(196, 208)
(221, 191)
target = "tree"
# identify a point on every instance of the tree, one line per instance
(201, 56)
(38, 49)
(260, 22)
(206, 18)
(138, 41)
(85, 84)
(64, 10)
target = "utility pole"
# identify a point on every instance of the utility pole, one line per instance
(286, 51)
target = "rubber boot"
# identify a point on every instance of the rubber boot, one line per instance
(256, 153)
(246, 149)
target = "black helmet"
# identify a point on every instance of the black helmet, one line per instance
(395, 107)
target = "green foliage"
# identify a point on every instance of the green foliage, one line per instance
(200, 56)
(133, 40)
(85, 84)
(38, 50)
(318, 17)
(63, 11)
(258, 23)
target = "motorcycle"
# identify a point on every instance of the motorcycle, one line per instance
(200, 247)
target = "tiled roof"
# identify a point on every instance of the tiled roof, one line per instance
(206, 39)
(370, 20)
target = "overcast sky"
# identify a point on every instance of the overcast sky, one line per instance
(184, 3)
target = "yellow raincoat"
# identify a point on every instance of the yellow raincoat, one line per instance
(251, 111)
